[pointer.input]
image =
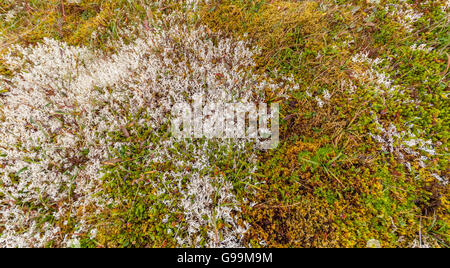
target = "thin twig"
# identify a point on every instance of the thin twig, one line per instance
(63, 11)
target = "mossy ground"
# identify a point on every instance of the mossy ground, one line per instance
(328, 184)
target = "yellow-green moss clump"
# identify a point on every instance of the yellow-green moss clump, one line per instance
(91, 22)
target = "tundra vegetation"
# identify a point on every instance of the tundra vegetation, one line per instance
(87, 158)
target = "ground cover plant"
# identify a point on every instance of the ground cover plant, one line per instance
(87, 158)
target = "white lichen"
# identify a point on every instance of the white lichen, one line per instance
(62, 102)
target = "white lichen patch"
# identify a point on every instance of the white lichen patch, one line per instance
(62, 102)
(404, 143)
(405, 14)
